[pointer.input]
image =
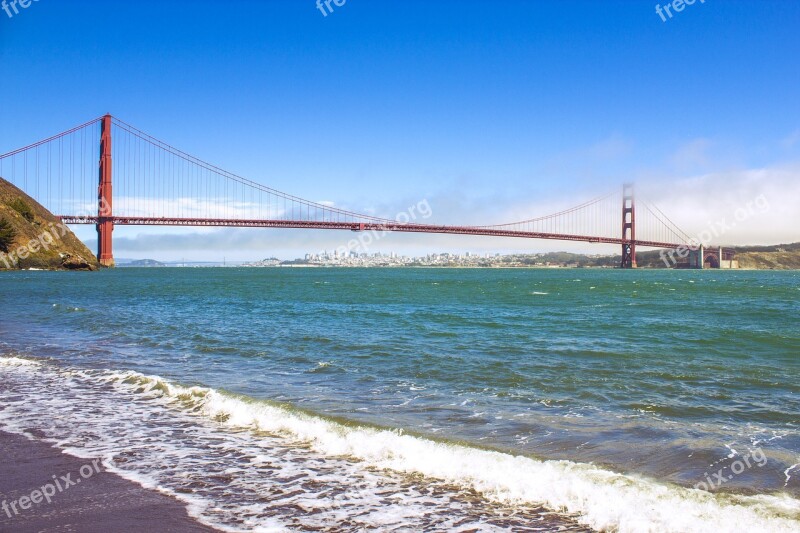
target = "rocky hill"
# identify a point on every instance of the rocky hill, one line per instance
(778, 257)
(31, 237)
(782, 259)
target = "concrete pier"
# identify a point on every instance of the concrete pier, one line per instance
(701, 258)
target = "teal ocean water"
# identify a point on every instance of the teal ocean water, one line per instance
(422, 399)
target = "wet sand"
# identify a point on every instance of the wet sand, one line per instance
(100, 502)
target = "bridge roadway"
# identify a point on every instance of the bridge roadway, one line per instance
(364, 226)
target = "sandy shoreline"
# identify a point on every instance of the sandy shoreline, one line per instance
(85, 498)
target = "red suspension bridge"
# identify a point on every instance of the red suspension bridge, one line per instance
(143, 181)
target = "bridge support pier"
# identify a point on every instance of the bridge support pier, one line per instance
(105, 221)
(628, 227)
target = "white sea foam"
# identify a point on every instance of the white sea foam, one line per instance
(597, 497)
(19, 362)
(604, 499)
(788, 473)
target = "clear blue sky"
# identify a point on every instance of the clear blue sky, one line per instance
(482, 106)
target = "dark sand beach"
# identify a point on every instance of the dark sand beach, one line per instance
(102, 502)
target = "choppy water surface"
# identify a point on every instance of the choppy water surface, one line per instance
(414, 399)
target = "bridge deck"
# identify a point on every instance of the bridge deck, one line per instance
(360, 226)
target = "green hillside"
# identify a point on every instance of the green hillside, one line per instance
(31, 237)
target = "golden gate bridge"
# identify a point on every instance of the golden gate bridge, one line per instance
(108, 173)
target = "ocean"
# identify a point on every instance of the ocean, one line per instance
(421, 399)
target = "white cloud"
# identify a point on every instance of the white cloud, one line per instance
(692, 154)
(613, 147)
(694, 202)
(791, 140)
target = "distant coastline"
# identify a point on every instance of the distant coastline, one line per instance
(779, 257)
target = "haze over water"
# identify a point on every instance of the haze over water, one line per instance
(410, 398)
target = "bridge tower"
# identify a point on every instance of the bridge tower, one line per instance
(628, 227)
(105, 222)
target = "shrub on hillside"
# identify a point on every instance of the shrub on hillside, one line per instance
(7, 235)
(20, 206)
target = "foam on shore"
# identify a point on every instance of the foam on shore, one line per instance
(596, 497)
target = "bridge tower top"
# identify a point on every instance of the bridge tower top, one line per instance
(628, 227)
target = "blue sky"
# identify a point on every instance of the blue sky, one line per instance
(488, 109)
